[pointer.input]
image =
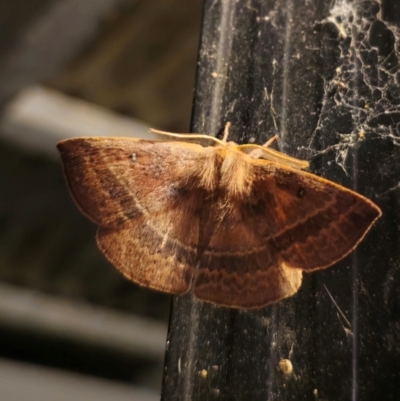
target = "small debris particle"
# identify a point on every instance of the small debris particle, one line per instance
(285, 366)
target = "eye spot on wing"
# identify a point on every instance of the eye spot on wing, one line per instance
(301, 192)
(177, 192)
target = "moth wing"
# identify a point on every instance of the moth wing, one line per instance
(245, 280)
(289, 222)
(136, 191)
(237, 267)
(312, 222)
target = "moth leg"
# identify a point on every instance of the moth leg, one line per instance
(226, 132)
(270, 141)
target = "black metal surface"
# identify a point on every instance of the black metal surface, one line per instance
(324, 76)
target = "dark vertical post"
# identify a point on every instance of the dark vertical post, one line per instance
(323, 75)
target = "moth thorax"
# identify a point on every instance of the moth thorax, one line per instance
(208, 172)
(236, 174)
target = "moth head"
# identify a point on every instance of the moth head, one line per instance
(254, 151)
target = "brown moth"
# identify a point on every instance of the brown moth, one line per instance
(238, 224)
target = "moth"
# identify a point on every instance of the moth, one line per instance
(237, 224)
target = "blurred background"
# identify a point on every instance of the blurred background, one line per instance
(71, 327)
